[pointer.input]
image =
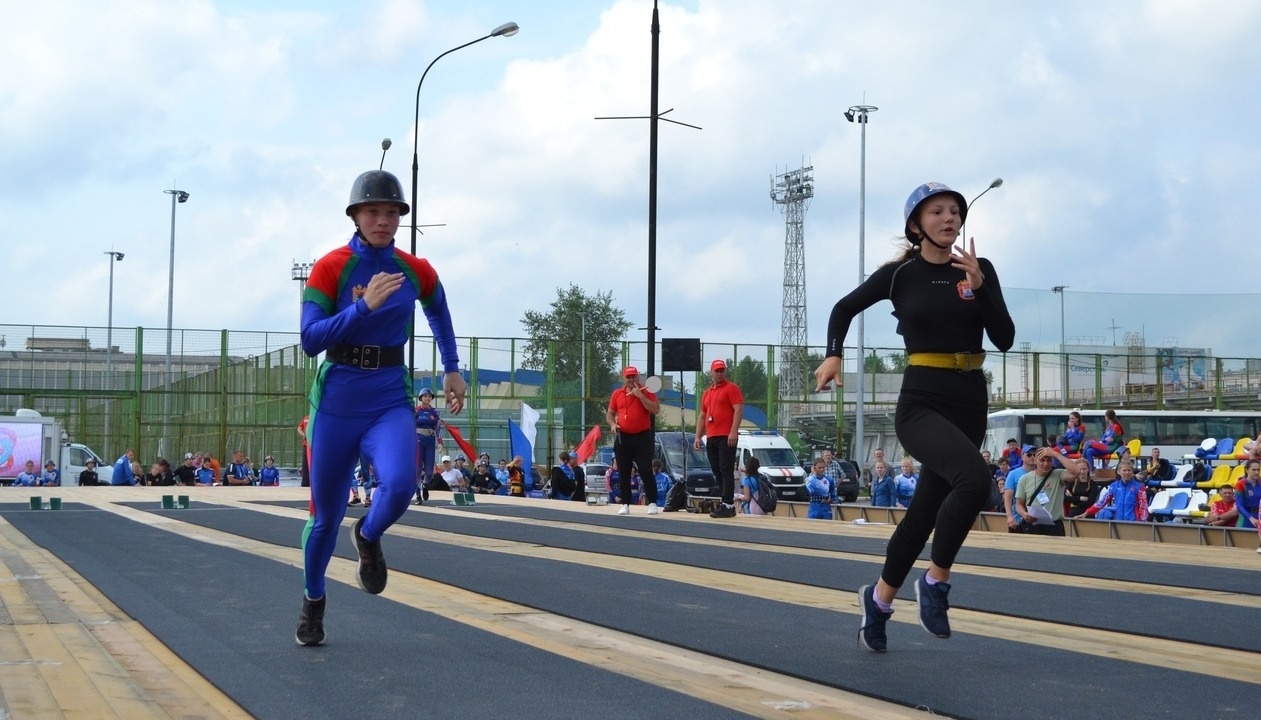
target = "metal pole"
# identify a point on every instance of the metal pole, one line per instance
(584, 373)
(1063, 342)
(177, 196)
(508, 29)
(652, 199)
(859, 114)
(109, 347)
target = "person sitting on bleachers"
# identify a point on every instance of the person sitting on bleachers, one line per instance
(1223, 513)
(1070, 440)
(1111, 441)
(1248, 496)
(1158, 468)
(1124, 499)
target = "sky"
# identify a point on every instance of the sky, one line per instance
(1125, 134)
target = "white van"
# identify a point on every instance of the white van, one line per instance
(779, 461)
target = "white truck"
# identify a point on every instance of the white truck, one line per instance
(778, 461)
(28, 435)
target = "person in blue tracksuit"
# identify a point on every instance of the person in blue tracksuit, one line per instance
(357, 309)
(884, 489)
(427, 420)
(123, 474)
(822, 492)
(269, 474)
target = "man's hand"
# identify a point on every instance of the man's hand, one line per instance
(453, 388)
(380, 287)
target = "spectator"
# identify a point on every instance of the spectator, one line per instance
(1039, 494)
(1001, 470)
(29, 477)
(721, 410)
(124, 474)
(89, 476)
(562, 479)
(462, 465)
(1012, 452)
(989, 462)
(884, 489)
(821, 490)
(1248, 496)
(516, 477)
(907, 482)
(1158, 468)
(580, 479)
(160, 473)
(269, 475)
(501, 474)
(305, 470)
(613, 485)
(367, 479)
(629, 415)
(448, 478)
(1071, 439)
(1027, 465)
(831, 466)
(1109, 442)
(206, 474)
(1077, 496)
(483, 480)
(138, 472)
(186, 474)
(1124, 499)
(994, 503)
(51, 476)
(1223, 512)
(214, 465)
(238, 472)
(746, 491)
(661, 480)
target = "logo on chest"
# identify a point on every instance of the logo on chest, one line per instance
(357, 292)
(964, 288)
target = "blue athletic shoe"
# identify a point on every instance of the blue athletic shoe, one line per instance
(933, 604)
(871, 634)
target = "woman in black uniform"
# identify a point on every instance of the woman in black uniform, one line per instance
(944, 298)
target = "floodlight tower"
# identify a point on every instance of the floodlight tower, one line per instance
(792, 192)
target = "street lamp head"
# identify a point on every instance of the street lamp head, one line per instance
(181, 196)
(997, 183)
(385, 145)
(118, 256)
(508, 29)
(849, 115)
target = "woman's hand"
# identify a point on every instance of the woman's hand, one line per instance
(829, 371)
(453, 388)
(966, 261)
(380, 287)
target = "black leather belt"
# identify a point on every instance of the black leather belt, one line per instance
(365, 357)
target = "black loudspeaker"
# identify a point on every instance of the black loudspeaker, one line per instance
(680, 354)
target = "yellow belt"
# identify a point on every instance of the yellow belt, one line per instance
(948, 361)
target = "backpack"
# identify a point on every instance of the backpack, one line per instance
(765, 496)
(676, 497)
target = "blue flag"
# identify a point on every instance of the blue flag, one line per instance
(520, 445)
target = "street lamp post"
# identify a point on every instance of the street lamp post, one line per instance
(1063, 342)
(583, 371)
(109, 344)
(508, 29)
(995, 183)
(859, 113)
(177, 196)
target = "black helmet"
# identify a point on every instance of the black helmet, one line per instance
(377, 186)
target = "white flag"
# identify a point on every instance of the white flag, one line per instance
(529, 421)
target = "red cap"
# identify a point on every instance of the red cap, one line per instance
(718, 364)
(630, 371)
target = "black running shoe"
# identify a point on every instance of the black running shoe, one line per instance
(723, 511)
(311, 622)
(353, 501)
(933, 605)
(871, 633)
(372, 572)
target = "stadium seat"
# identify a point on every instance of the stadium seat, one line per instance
(1197, 498)
(1208, 446)
(1135, 446)
(1237, 473)
(1167, 501)
(1241, 448)
(1181, 478)
(1220, 477)
(1223, 448)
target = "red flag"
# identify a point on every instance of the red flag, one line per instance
(586, 448)
(469, 452)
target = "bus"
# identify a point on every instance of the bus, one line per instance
(1175, 432)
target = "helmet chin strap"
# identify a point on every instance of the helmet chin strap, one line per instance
(924, 236)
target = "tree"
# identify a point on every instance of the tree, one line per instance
(562, 327)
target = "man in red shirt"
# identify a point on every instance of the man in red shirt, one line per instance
(722, 408)
(630, 420)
